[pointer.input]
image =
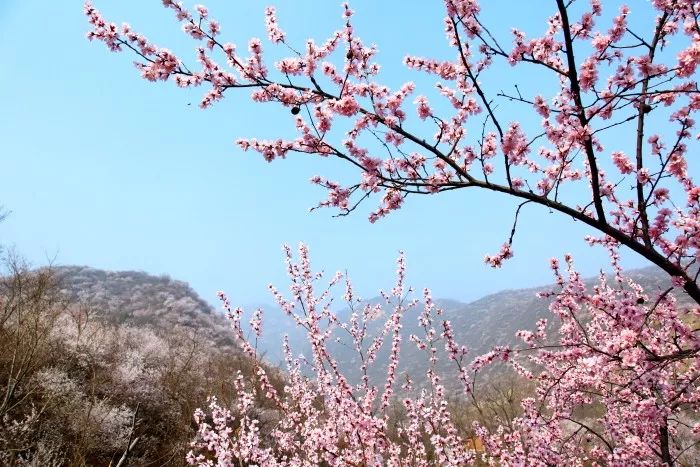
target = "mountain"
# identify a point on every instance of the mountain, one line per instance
(138, 299)
(480, 325)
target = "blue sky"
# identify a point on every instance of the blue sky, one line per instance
(104, 169)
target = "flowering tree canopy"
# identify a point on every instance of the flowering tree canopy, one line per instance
(618, 384)
(610, 150)
(610, 78)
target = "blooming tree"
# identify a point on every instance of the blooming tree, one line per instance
(609, 151)
(474, 145)
(616, 384)
(328, 418)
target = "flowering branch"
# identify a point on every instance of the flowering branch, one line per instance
(573, 119)
(616, 382)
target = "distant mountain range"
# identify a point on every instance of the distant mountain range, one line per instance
(480, 325)
(162, 302)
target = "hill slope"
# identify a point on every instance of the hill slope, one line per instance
(138, 299)
(109, 358)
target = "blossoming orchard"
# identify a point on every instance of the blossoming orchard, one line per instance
(616, 369)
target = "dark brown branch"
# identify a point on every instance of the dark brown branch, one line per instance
(639, 153)
(576, 93)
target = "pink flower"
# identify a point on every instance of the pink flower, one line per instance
(202, 10)
(588, 73)
(423, 107)
(515, 145)
(694, 196)
(643, 176)
(689, 59)
(346, 106)
(275, 34)
(622, 162)
(496, 260)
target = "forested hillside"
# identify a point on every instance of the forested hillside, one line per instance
(139, 299)
(107, 368)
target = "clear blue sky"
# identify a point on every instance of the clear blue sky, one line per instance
(104, 169)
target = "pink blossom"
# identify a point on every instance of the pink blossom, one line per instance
(423, 107)
(346, 106)
(514, 144)
(275, 34)
(202, 10)
(624, 165)
(497, 260)
(588, 74)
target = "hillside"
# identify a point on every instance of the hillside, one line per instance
(140, 299)
(96, 366)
